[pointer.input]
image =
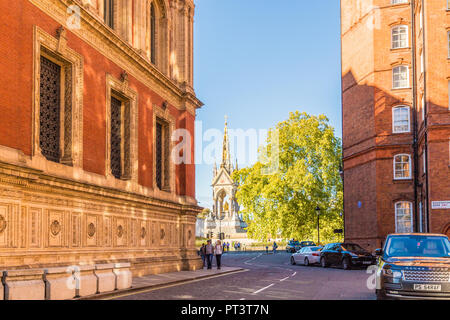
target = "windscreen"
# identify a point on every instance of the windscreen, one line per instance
(418, 246)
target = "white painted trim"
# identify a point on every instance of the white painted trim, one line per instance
(411, 213)
(393, 118)
(392, 36)
(409, 157)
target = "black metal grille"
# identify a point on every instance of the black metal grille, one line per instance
(159, 154)
(116, 137)
(50, 109)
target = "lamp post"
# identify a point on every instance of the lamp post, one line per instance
(220, 226)
(318, 225)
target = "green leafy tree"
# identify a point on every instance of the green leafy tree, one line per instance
(204, 214)
(298, 170)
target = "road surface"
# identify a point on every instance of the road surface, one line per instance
(268, 277)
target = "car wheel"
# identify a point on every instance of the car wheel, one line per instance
(345, 263)
(306, 263)
(323, 262)
(292, 261)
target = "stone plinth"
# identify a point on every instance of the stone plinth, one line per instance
(123, 275)
(106, 279)
(25, 284)
(86, 281)
(59, 284)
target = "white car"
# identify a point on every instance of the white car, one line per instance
(306, 256)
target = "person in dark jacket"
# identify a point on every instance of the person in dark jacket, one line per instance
(203, 254)
(209, 252)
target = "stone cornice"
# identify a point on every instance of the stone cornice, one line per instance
(36, 180)
(112, 46)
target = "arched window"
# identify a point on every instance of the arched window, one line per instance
(403, 217)
(399, 37)
(108, 12)
(150, 31)
(402, 167)
(400, 119)
(400, 77)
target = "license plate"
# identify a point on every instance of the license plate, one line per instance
(427, 287)
(367, 262)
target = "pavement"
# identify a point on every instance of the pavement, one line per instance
(254, 276)
(152, 282)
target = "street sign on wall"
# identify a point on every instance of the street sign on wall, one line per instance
(440, 205)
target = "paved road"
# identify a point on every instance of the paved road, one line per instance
(269, 277)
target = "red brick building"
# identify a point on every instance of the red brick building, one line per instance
(396, 118)
(91, 93)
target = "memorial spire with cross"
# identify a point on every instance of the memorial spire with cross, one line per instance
(226, 157)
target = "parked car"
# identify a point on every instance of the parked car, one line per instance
(346, 255)
(414, 266)
(307, 244)
(293, 246)
(306, 256)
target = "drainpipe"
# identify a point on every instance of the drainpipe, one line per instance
(427, 215)
(414, 108)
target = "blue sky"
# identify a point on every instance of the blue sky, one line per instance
(258, 60)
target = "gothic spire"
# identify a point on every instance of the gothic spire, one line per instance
(226, 158)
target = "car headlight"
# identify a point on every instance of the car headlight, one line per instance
(389, 272)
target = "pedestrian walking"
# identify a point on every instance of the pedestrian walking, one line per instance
(209, 251)
(228, 247)
(218, 252)
(203, 254)
(275, 246)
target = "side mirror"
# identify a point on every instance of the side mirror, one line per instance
(379, 252)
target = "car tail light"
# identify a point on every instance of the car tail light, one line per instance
(315, 254)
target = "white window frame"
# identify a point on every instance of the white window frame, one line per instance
(399, 1)
(448, 44)
(424, 155)
(409, 166)
(393, 119)
(421, 19)
(399, 27)
(407, 77)
(396, 216)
